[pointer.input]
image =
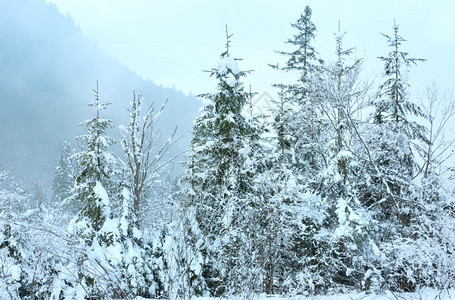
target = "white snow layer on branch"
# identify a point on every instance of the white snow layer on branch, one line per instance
(225, 64)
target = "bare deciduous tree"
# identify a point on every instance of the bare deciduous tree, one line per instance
(145, 161)
(439, 111)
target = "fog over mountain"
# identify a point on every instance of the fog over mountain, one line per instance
(48, 70)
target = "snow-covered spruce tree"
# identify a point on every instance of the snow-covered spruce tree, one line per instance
(393, 104)
(314, 128)
(97, 177)
(303, 126)
(216, 175)
(393, 112)
(301, 153)
(393, 156)
(98, 167)
(304, 59)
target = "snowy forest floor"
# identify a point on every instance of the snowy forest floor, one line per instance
(425, 294)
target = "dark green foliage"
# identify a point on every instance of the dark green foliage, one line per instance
(97, 166)
(393, 103)
(217, 173)
(304, 58)
(297, 116)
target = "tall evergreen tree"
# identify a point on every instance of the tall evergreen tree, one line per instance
(392, 163)
(298, 157)
(217, 177)
(95, 181)
(393, 104)
(304, 58)
(97, 168)
(393, 116)
(303, 121)
(395, 128)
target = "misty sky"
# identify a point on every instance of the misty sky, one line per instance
(171, 42)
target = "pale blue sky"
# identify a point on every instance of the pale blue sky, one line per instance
(172, 41)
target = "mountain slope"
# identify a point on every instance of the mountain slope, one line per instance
(47, 72)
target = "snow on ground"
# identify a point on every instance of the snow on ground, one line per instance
(426, 294)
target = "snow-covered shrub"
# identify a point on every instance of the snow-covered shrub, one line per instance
(184, 260)
(424, 256)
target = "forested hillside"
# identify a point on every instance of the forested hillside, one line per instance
(344, 186)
